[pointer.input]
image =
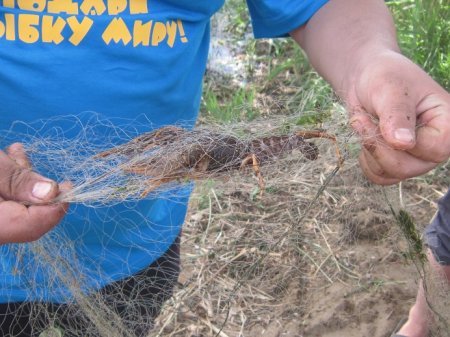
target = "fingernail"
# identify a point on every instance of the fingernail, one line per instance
(404, 135)
(41, 189)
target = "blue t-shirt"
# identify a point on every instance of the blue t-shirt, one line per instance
(120, 59)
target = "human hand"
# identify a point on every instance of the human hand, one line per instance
(402, 116)
(18, 184)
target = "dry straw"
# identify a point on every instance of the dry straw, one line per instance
(248, 257)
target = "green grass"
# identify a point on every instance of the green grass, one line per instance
(289, 67)
(294, 87)
(423, 28)
(228, 106)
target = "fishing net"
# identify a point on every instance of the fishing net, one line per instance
(253, 255)
(305, 247)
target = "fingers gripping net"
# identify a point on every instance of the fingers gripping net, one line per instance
(65, 269)
(248, 261)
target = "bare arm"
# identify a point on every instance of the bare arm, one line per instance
(352, 44)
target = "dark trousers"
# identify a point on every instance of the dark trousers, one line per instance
(137, 300)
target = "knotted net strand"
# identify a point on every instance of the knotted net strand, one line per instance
(243, 254)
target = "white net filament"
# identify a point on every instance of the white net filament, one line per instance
(248, 257)
(129, 166)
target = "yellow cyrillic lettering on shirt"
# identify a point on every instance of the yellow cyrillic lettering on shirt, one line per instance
(10, 23)
(171, 32)
(52, 30)
(93, 7)
(159, 33)
(116, 6)
(79, 29)
(138, 7)
(62, 6)
(117, 31)
(141, 33)
(2, 29)
(8, 3)
(33, 5)
(28, 33)
(183, 37)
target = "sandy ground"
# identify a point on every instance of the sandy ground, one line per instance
(351, 277)
(369, 303)
(265, 267)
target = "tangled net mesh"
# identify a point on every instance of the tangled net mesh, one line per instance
(247, 259)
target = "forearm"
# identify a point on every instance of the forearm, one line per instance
(400, 112)
(342, 37)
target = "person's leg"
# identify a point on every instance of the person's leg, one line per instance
(24, 319)
(14, 320)
(137, 300)
(437, 238)
(419, 317)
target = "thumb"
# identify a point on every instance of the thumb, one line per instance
(398, 124)
(393, 103)
(388, 89)
(21, 184)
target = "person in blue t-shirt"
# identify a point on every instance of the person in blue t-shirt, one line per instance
(148, 57)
